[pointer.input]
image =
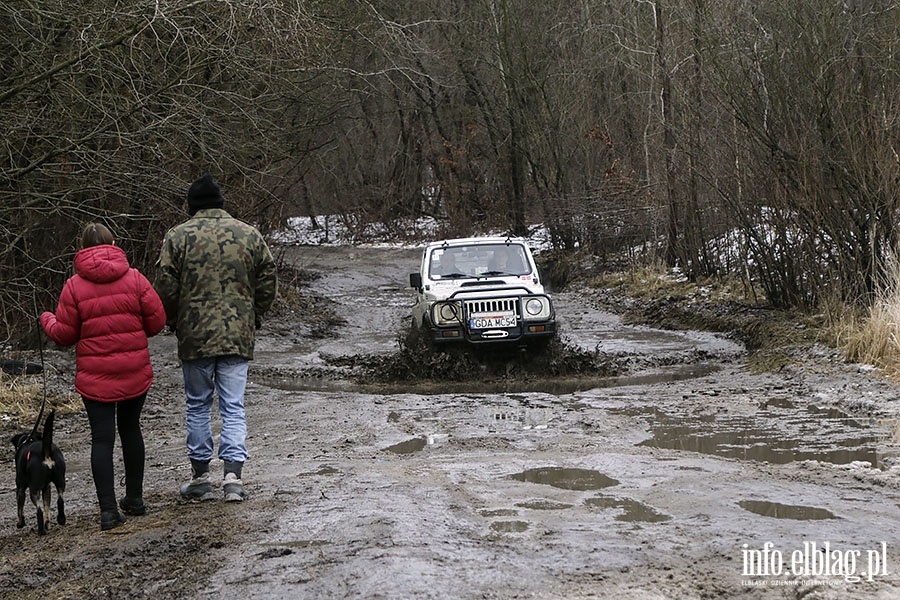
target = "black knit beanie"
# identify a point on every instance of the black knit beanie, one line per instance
(204, 193)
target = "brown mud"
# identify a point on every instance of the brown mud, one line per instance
(625, 461)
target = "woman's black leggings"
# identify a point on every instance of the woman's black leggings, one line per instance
(103, 417)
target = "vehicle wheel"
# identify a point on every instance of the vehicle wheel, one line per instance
(413, 337)
(537, 347)
(425, 335)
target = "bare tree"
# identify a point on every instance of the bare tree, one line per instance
(109, 111)
(810, 85)
(677, 126)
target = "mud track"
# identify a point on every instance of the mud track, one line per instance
(649, 464)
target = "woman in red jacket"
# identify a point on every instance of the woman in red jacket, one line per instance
(110, 309)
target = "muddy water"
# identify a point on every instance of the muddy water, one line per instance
(786, 434)
(371, 287)
(653, 484)
(558, 386)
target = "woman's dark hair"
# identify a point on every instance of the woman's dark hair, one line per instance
(96, 234)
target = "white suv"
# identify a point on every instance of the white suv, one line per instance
(481, 290)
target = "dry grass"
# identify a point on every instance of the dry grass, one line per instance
(654, 281)
(21, 398)
(874, 338)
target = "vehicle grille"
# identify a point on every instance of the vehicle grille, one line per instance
(500, 305)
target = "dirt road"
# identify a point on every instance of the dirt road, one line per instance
(687, 477)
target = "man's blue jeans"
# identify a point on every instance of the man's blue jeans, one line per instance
(226, 375)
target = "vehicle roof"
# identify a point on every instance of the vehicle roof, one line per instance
(469, 241)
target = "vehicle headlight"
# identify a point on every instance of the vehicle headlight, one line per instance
(537, 307)
(446, 313)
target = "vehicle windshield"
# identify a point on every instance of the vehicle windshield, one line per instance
(481, 260)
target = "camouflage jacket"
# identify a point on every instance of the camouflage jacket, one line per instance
(216, 280)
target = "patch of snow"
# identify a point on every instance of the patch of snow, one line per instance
(332, 230)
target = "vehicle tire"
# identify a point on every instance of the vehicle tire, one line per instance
(414, 335)
(537, 347)
(427, 339)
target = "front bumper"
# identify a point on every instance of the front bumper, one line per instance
(523, 332)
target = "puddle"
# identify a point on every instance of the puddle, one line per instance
(567, 479)
(557, 386)
(296, 544)
(325, 470)
(592, 327)
(631, 510)
(499, 512)
(786, 511)
(537, 418)
(779, 433)
(409, 446)
(277, 550)
(509, 526)
(544, 505)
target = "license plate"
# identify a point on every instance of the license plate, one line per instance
(492, 322)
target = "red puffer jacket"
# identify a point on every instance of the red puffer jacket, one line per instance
(109, 309)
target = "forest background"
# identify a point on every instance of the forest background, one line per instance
(755, 139)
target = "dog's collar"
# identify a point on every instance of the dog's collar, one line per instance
(24, 441)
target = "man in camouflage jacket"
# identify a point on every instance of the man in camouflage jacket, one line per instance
(216, 279)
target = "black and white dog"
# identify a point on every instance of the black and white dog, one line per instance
(38, 464)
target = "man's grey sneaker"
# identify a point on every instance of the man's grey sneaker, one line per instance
(199, 488)
(233, 488)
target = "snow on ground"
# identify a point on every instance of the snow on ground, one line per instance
(333, 230)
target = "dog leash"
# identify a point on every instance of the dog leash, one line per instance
(28, 438)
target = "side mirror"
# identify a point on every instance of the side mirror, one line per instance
(415, 280)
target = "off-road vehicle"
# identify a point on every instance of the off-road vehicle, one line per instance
(481, 290)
